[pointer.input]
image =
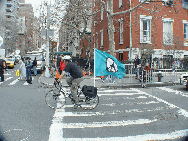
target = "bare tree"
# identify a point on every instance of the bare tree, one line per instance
(77, 20)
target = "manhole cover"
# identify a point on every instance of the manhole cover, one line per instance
(15, 135)
(166, 116)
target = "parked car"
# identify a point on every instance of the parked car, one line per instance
(9, 62)
(184, 80)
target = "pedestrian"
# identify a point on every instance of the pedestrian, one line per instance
(22, 70)
(137, 64)
(28, 70)
(106, 76)
(146, 71)
(75, 79)
(35, 66)
(61, 66)
(58, 62)
(2, 66)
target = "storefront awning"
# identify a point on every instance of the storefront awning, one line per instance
(63, 53)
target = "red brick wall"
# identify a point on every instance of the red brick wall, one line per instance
(156, 23)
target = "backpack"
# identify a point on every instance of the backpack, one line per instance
(34, 62)
(89, 91)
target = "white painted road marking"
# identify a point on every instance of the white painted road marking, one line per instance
(174, 91)
(14, 82)
(145, 137)
(101, 113)
(56, 129)
(180, 111)
(108, 123)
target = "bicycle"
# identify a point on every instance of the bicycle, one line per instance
(56, 98)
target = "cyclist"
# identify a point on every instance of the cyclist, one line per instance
(76, 77)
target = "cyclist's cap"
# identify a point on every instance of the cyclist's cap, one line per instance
(66, 57)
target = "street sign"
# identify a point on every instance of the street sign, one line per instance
(50, 33)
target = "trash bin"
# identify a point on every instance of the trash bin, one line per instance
(159, 76)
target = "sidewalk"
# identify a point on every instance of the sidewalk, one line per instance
(125, 82)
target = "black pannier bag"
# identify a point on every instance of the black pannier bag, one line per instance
(89, 91)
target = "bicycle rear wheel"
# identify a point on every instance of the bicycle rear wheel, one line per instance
(88, 103)
(55, 99)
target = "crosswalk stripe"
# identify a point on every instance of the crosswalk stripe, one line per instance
(7, 74)
(108, 123)
(180, 111)
(87, 114)
(14, 82)
(56, 129)
(145, 137)
(8, 78)
(174, 91)
(118, 94)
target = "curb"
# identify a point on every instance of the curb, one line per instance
(140, 85)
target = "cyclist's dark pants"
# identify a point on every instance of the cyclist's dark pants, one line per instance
(74, 83)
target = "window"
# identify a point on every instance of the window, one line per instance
(120, 31)
(96, 40)
(167, 31)
(185, 32)
(101, 38)
(93, 3)
(145, 29)
(101, 13)
(107, 5)
(120, 3)
(120, 56)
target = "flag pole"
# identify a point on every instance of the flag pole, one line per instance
(94, 67)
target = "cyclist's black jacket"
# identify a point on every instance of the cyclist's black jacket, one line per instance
(74, 70)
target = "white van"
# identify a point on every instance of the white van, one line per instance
(40, 61)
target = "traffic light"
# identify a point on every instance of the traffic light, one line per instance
(54, 44)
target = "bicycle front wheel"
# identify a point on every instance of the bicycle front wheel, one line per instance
(55, 99)
(88, 103)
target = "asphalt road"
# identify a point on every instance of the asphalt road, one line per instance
(24, 114)
(155, 113)
(152, 113)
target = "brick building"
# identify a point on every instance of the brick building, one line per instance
(159, 31)
(26, 15)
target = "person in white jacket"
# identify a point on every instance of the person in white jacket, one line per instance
(22, 70)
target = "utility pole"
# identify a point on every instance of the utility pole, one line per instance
(47, 74)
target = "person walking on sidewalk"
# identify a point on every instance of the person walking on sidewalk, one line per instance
(28, 70)
(106, 76)
(137, 64)
(22, 70)
(75, 79)
(35, 66)
(61, 66)
(2, 66)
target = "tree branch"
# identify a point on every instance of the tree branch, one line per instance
(123, 12)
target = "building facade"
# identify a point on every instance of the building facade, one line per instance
(156, 31)
(26, 36)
